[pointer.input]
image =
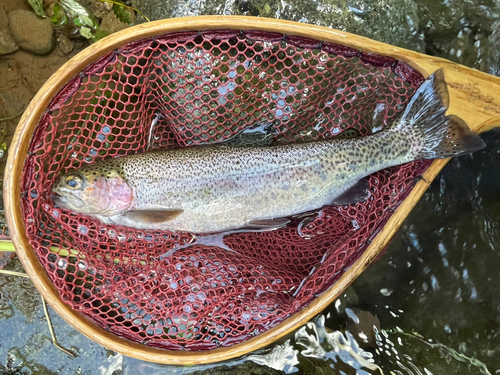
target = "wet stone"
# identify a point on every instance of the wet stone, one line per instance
(65, 45)
(7, 42)
(30, 32)
(111, 24)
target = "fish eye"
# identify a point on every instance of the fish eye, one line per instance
(74, 181)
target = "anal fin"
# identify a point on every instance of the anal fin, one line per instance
(356, 193)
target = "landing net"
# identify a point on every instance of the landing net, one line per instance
(207, 87)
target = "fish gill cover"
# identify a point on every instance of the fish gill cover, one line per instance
(207, 87)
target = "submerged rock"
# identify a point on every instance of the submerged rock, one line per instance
(362, 325)
(5, 258)
(7, 42)
(26, 345)
(462, 31)
(21, 294)
(246, 368)
(392, 21)
(32, 33)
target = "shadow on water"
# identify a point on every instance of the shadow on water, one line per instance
(433, 298)
(438, 278)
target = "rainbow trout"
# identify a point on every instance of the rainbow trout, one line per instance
(217, 188)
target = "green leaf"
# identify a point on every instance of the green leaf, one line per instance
(122, 13)
(77, 21)
(86, 33)
(99, 34)
(37, 6)
(59, 18)
(87, 21)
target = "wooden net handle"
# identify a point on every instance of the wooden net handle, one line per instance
(474, 96)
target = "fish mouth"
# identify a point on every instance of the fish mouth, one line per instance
(69, 202)
(59, 200)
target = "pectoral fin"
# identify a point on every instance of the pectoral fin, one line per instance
(357, 193)
(269, 223)
(152, 216)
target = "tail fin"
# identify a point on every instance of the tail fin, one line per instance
(436, 135)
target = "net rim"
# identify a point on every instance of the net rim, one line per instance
(18, 152)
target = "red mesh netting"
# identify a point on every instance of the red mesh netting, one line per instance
(208, 86)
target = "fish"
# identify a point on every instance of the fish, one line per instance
(216, 188)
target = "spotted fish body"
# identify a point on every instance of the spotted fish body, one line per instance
(216, 188)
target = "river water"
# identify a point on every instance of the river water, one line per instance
(435, 292)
